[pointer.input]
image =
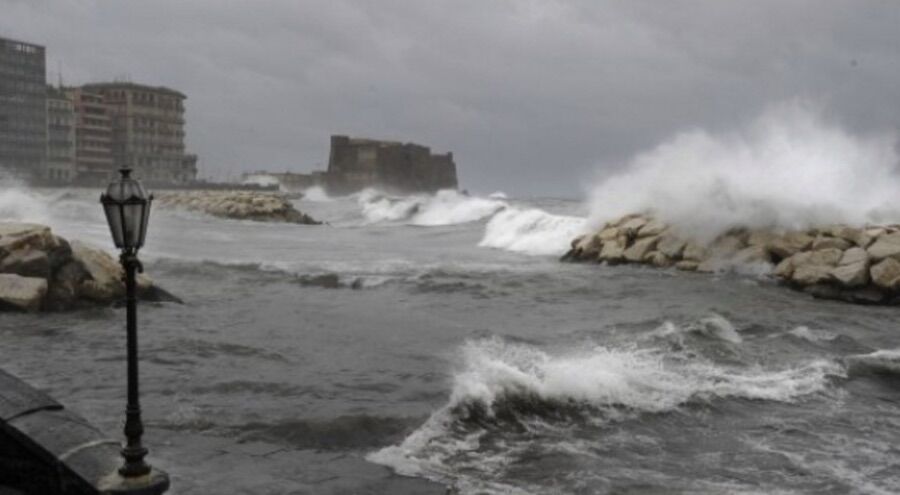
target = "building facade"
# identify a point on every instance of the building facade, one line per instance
(356, 164)
(93, 137)
(23, 108)
(148, 131)
(60, 165)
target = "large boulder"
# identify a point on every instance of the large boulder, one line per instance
(825, 242)
(888, 245)
(612, 252)
(754, 253)
(24, 236)
(652, 228)
(27, 263)
(671, 245)
(726, 246)
(22, 293)
(853, 268)
(588, 247)
(694, 252)
(886, 274)
(789, 244)
(104, 282)
(640, 249)
(814, 267)
(609, 234)
(761, 237)
(633, 223)
(657, 259)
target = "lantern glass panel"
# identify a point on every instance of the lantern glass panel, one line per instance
(114, 219)
(132, 214)
(145, 221)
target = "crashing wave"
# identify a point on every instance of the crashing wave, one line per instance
(789, 169)
(520, 387)
(714, 326)
(316, 194)
(885, 361)
(445, 207)
(531, 231)
(810, 335)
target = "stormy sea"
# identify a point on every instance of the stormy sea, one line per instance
(425, 343)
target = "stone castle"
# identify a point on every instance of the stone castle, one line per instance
(355, 164)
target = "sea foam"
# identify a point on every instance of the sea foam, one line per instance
(790, 168)
(316, 194)
(531, 231)
(445, 207)
(499, 382)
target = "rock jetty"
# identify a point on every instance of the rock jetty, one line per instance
(239, 205)
(854, 264)
(40, 271)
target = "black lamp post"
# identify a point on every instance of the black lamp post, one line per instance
(127, 208)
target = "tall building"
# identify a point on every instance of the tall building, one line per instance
(93, 137)
(23, 108)
(60, 137)
(148, 131)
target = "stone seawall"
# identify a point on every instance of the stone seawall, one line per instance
(855, 264)
(238, 205)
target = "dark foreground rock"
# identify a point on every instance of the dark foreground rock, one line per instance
(40, 271)
(854, 264)
(239, 205)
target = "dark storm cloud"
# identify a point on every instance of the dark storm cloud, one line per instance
(532, 96)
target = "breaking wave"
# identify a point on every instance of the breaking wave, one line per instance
(790, 168)
(316, 194)
(531, 231)
(520, 388)
(445, 207)
(810, 335)
(885, 361)
(715, 327)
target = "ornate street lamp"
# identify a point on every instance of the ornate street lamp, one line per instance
(127, 208)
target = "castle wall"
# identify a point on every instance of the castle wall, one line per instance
(355, 164)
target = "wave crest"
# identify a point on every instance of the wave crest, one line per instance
(445, 207)
(886, 361)
(531, 231)
(524, 389)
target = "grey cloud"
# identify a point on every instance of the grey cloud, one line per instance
(534, 97)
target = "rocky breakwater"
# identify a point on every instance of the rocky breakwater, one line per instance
(40, 271)
(855, 264)
(240, 205)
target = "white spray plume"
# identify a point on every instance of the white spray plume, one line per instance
(788, 169)
(20, 204)
(316, 194)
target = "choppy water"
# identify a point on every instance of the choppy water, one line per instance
(439, 339)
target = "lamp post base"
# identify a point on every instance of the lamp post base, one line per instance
(153, 483)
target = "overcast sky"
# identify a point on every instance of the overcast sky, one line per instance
(533, 97)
